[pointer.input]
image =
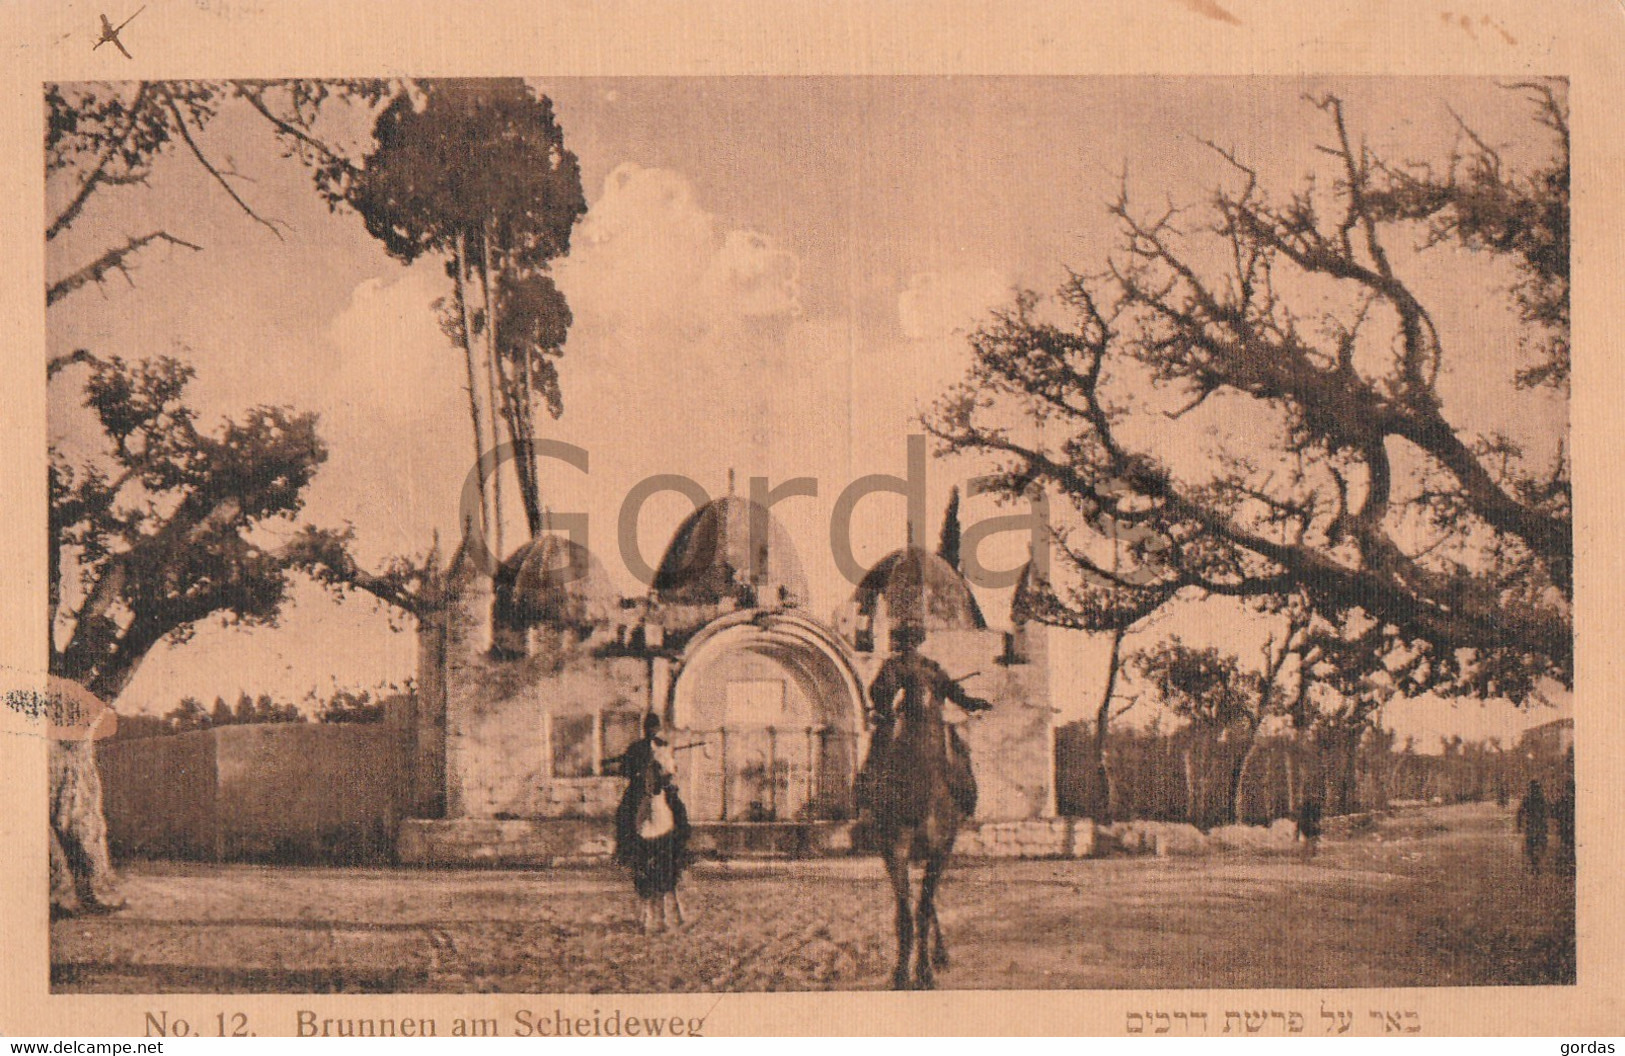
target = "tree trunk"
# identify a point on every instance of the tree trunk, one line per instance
(1349, 793)
(1193, 794)
(460, 260)
(1238, 786)
(1291, 780)
(80, 868)
(493, 396)
(529, 482)
(1342, 747)
(1102, 806)
(125, 660)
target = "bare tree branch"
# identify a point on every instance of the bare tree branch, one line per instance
(208, 166)
(113, 260)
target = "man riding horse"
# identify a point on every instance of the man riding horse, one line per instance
(917, 789)
(905, 677)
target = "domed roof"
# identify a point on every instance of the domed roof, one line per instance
(553, 580)
(710, 558)
(919, 587)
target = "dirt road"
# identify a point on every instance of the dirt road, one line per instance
(1432, 897)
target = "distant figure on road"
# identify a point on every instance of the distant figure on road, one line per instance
(1563, 820)
(1532, 823)
(1309, 825)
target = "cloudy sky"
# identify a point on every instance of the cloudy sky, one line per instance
(774, 277)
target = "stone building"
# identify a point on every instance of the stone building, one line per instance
(535, 678)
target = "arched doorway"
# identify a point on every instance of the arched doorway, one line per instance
(777, 705)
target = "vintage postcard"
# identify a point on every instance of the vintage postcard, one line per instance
(821, 518)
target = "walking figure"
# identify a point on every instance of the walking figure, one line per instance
(1309, 827)
(918, 788)
(1563, 821)
(1532, 823)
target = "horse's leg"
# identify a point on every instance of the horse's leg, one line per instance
(926, 916)
(897, 869)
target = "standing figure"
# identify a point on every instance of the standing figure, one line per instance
(1309, 827)
(1563, 820)
(918, 788)
(1532, 823)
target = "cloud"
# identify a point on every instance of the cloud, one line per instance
(649, 257)
(749, 275)
(691, 352)
(394, 415)
(938, 304)
(391, 355)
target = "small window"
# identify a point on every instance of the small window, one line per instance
(572, 747)
(580, 744)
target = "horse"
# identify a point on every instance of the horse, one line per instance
(652, 833)
(917, 812)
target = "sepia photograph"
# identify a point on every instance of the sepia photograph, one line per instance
(711, 534)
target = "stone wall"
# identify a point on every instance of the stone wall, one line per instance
(505, 723)
(543, 843)
(1175, 838)
(508, 720)
(587, 797)
(425, 745)
(515, 842)
(293, 792)
(308, 792)
(159, 795)
(499, 745)
(1039, 838)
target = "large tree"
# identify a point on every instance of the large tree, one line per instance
(477, 172)
(1251, 403)
(157, 532)
(1224, 703)
(159, 473)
